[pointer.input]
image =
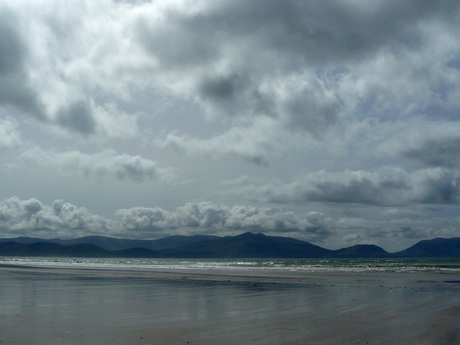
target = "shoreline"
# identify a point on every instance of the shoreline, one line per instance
(75, 305)
(253, 275)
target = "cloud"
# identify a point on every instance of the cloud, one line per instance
(253, 143)
(61, 219)
(386, 187)
(305, 66)
(77, 116)
(15, 89)
(50, 70)
(441, 152)
(102, 164)
(436, 186)
(64, 220)
(9, 134)
(206, 217)
(391, 234)
(309, 67)
(345, 106)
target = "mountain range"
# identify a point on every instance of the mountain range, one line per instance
(247, 245)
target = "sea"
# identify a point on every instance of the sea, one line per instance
(433, 265)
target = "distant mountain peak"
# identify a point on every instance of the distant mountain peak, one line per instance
(437, 247)
(245, 245)
(362, 250)
(251, 235)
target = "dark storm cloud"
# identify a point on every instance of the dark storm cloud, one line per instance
(302, 31)
(223, 91)
(77, 117)
(292, 33)
(14, 89)
(348, 187)
(441, 152)
(454, 63)
(239, 64)
(237, 59)
(363, 191)
(440, 187)
(389, 187)
(12, 48)
(306, 65)
(36, 56)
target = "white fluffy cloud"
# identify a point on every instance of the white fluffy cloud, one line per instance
(61, 219)
(212, 219)
(33, 218)
(395, 230)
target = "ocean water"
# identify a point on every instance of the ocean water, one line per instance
(434, 265)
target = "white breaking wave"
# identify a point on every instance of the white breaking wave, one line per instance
(297, 265)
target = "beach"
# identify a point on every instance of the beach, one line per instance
(65, 305)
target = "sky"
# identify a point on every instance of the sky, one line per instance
(335, 122)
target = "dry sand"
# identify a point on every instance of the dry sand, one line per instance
(55, 305)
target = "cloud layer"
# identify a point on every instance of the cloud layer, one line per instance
(33, 218)
(102, 164)
(305, 65)
(62, 219)
(341, 112)
(387, 187)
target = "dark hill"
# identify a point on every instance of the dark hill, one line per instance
(50, 249)
(23, 239)
(249, 245)
(179, 241)
(361, 251)
(110, 243)
(438, 247)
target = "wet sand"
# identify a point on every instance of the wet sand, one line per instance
(64, 305)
